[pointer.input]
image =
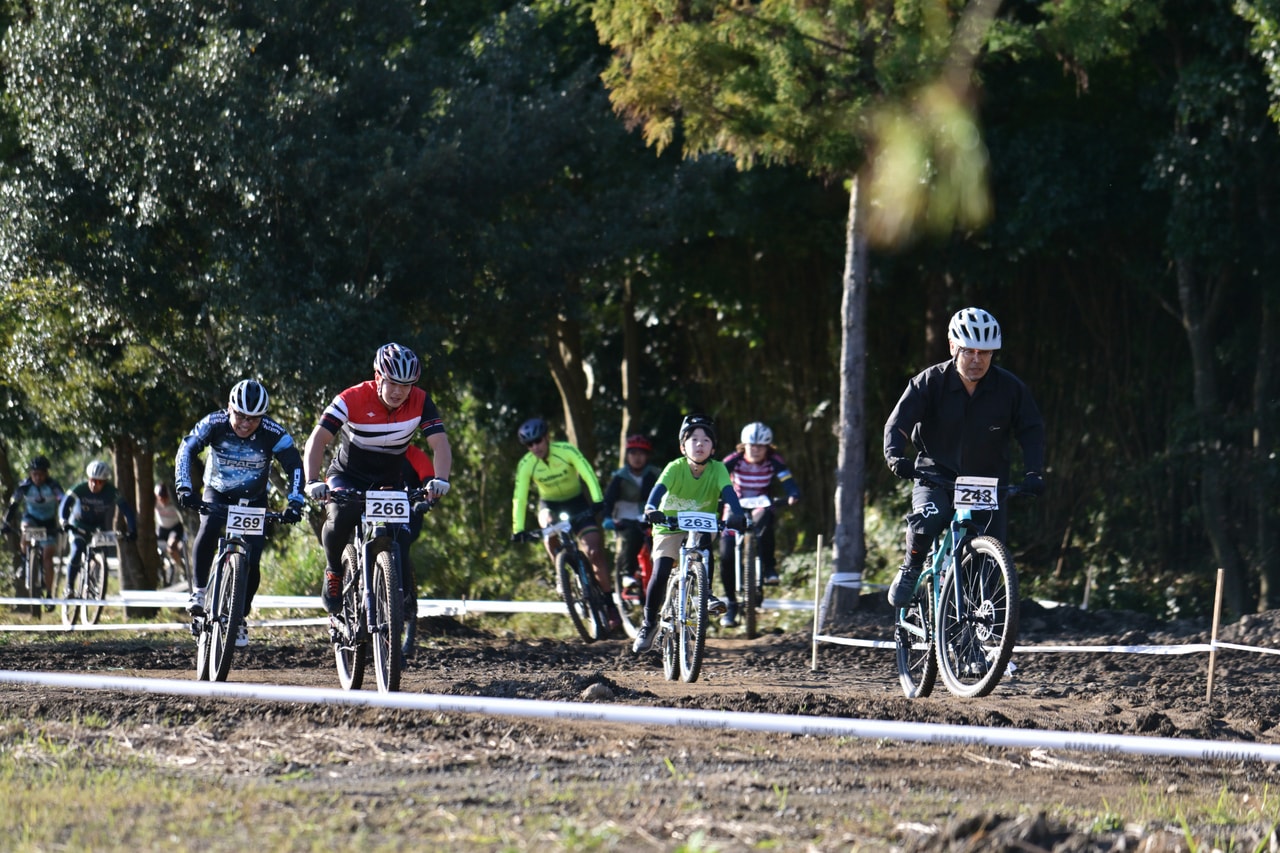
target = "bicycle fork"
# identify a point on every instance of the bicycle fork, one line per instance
(372, 547)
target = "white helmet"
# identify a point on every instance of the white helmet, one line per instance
(98, 470)
(973, 328)
(757, 433)
(397, 363)
(249, 398)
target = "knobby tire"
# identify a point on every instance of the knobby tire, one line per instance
(693, 628)
(575, 597)
(349, 652)
(233, 586)
(92, 586)
(977, 618)
(747, 597)
(387, 623)
(913, 637)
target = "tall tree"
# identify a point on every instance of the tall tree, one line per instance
(876, 94)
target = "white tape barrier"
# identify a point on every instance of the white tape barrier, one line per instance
(1186, 649)
(833, 727)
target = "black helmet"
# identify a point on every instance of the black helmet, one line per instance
(532, 430)
(40, 463)
(692, 422)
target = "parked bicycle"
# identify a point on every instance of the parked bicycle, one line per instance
(217, 625)
(575, 580)
(372, 615)
(88, 596)
(963, 620)
(682, 621)
(628, 590)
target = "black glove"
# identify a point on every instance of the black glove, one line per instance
(1032, 484)
(598, 508)
(292, 514)
(517, 537)
(655, 516)
(188, 499)
(902, 468)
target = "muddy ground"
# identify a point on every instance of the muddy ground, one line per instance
(667, 788)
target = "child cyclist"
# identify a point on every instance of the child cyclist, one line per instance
(693, 483)
(753, 467)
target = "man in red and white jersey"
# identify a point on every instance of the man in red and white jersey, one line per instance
(376, 420)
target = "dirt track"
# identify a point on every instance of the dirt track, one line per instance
(748, 788)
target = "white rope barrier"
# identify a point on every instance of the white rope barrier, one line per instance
(830, 727)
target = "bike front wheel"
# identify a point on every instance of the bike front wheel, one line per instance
(692, 629)
(348, 650)
(35, 578)
(227, 612)
(977, 618)
(913, 637)
(70, 612)
(630, 602)
(92, 585)
(569, 573)
(749, 595)
(387, 622)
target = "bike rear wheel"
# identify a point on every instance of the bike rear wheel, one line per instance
(748, 596)
(348, 650)
(92, 586)
(387, 622)
(569, 569)
(977, 618)
(913, 636)
(693, 628)
(227, 613)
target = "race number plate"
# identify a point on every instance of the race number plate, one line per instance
(387, 507)
(976, 493)
(703, 521)
(246, 520)
(757, 502)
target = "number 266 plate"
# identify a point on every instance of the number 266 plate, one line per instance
(387, 507)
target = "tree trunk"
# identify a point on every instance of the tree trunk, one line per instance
(1196, 316)
(568, 368)
(630, 370)
(1264, 438)
(850, 550)
(132, 571)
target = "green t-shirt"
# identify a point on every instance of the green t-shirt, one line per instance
(686, 493)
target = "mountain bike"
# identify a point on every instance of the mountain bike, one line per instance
(963, 620)
(372, 614)
(748, 589)
(90, 590)
(32, 573)
(218, 623)
(172, 571)
(682, 621)
(576, 579)
(630, 600)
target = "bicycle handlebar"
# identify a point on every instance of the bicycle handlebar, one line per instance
(1011, 490)
(207, 508)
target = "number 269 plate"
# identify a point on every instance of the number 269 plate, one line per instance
(245, 520)
(387, 507)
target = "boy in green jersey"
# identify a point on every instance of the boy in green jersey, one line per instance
(693, 483)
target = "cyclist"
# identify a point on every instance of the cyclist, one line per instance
(695, 482)
(376, 419)
(623, 498)
(89, 507)
(242, 441)
(559, 471)
(753, 467)
(169, 526)
(959, 416)
(40, 496)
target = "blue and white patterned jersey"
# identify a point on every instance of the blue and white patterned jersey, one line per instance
(238, 468)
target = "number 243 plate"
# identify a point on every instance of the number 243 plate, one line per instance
(976, 493)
